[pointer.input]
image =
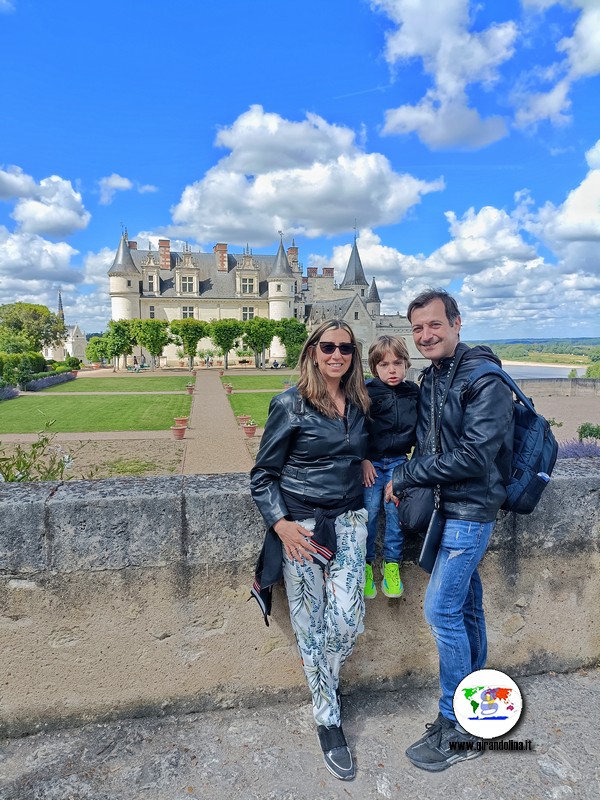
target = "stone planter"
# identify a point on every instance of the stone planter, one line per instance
(181, 422)
(221, 372)
(190, 388)
(249, 430)
(74, 372)
(228, 388)
(243, 418)
(178, 431)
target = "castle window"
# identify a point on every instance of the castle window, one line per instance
(151, 312)
(247, 313)
(187, 284)
(362, 292)
(247, 285)
(356, 315)
(150, 283)
(128, 284)
(187, 312)
(278, 287)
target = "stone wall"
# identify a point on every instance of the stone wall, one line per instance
(129, 597)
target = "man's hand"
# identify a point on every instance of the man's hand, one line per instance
(368, 472)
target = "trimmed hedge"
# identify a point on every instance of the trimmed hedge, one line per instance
(8, 392)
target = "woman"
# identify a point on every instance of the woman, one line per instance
(307, 484)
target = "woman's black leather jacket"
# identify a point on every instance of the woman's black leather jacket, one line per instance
(476, 437)
(308, 455)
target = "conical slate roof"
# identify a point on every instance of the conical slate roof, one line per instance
(123, 263)
(373, 294)
(355, 274)
(281, 267)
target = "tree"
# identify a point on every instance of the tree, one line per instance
(36, 322)
(225, 334)
(97, 349)
(593, 371)
(153, 334)
(189, 332)
(119, 339)
(258, 335)
(293, 334)
(12, 342)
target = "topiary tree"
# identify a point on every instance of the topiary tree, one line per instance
(96, 349)
(119, 339)
(258, 335)
(153, 334)
(293, 334)
(225, 334)
(188, 332)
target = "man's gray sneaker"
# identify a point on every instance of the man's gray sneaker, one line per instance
(336, 754)
(444, 743)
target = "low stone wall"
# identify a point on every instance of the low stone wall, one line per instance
(129, 597)
(560, 387)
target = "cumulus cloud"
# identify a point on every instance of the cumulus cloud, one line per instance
(30, 257)
(454, 57)
(51, 207)
(112, 184)
(307, 177)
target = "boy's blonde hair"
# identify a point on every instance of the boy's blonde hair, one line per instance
(383, 345)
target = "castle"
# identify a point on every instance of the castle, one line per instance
(169, 285)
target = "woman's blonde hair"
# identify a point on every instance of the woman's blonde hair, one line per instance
(383, 345)
(311, 384)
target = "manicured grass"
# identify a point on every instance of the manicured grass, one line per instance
(272, 380)
(28, 414)
(135, 383)
(257, 405)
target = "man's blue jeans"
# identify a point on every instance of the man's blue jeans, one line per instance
(454, 605)
(393, 539)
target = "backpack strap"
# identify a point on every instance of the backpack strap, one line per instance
(489, 368)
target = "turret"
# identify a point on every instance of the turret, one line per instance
(355, 274)
(373, 300)
(124, 284)
(281, 281)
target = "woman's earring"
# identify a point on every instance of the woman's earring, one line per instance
(314, 364)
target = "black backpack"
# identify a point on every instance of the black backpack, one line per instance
(534, 446)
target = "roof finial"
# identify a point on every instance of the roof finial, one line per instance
(281, 234)
(355, 230)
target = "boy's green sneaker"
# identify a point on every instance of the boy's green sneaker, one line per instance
(370, 588)
(391, 585)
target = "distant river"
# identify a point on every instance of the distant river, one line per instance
(522, 371)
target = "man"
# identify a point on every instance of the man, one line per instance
(470, 462)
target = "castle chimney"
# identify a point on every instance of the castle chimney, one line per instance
(164, 253)
(328, 272)
(292, 254)
(132, 245)
(220, 251)
(312, 272)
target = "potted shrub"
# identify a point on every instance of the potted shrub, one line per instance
(181, 421)
(178, 431)
(249, 427)
(243, 418)
(189, 388)
(228, 388)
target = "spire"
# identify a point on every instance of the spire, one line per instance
(60, 313)
(124, 263)
(281, 267)
(355, 274)
(373, 294)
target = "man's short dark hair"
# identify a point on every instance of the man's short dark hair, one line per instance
(426, 297)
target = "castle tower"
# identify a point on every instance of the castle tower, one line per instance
(373, 300)
(281, 294)
(355, 274)
(124, 284)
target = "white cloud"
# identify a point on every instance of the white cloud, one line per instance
(51, 207)
(28, 257)
(15, 183)
(454, 57)
(304, 177)
(592, 156)
(112, 184)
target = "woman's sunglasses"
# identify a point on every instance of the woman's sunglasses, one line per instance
(346, 348)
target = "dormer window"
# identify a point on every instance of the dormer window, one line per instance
(187, 284)
(150, 283)
(247, 285)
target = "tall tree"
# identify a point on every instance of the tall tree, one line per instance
(119, 339)
(97, 349)
(189, 332)
(225, 333)
(153, 334)
(13, 342)
(36, 322)
(293, 334)
(258, 335)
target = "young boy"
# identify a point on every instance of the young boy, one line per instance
(391, 425)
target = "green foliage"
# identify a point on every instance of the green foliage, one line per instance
(255, 405)
(554, 424)
(72, 362)
(595, 354)
(119, 338)
(152, 334)
(258, 335)
(40, 461)
(16, 368)
(588, 431)
(97, 349)
(188, 333)
(293, 334)
(225, 334)
(593, 371)
(35, 322)
(12, 342)
(130, 383)
(572, 373)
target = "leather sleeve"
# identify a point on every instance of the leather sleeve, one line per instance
(477, 439)
(275, 445)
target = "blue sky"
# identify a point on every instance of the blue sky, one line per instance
(462, 137)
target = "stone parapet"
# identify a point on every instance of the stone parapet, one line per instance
(129, 597)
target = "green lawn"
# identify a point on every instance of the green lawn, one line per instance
(257, 405)
(29, 413)
(135, 383)
(272, 380)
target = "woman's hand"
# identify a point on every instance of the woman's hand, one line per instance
(295, 539)
(389, 495)
(368, 472)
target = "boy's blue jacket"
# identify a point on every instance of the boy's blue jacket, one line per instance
(392, 419)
